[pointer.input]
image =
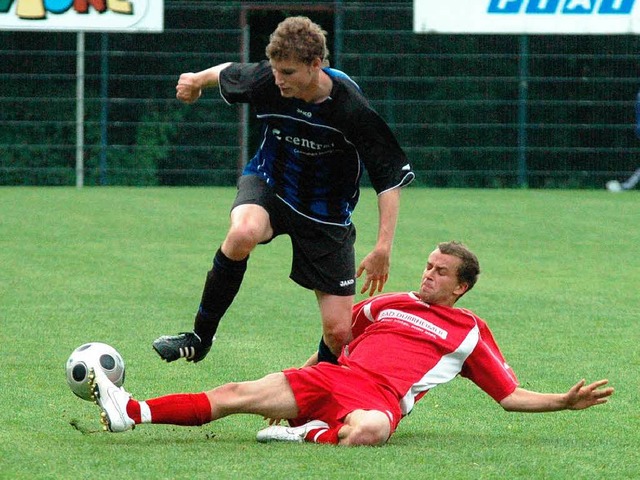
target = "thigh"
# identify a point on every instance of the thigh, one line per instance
(255, 212)
(250, 225)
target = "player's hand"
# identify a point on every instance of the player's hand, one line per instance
(376, 266)
(188, 89)
(580, 396)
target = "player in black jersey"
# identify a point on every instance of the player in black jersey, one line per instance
(319, 134)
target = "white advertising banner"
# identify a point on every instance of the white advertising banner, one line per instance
(82, 15)
(527, 16)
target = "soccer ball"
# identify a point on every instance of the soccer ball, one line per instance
(614, 186)
(93, 355)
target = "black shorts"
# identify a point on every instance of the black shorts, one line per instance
(323, 255)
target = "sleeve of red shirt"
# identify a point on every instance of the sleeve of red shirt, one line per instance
(487, 367)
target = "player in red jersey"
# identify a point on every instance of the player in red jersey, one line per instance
(404, 345)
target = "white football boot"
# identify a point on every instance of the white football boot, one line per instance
(281, 433)
(112, 400)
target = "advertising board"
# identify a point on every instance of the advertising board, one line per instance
(82, 15)
(527, 16)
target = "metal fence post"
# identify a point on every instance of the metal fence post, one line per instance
(523, 67)
(80, 109)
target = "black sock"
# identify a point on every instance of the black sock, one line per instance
(220, 288)
(325, 354)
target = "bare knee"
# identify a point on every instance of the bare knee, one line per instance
(366, 435)
(223, 399)
(370, 428)
(271, 396)
(241, 240)
(336, 337)
(336, 320)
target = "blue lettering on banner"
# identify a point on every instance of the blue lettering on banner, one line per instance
(580, 7)
(620, 7)
(542, 6)
(566, 7)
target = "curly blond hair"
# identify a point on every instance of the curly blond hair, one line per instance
(298, 38)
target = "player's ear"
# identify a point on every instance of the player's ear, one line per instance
(461, 289)
(316, 63)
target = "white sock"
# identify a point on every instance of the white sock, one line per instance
(145, 413)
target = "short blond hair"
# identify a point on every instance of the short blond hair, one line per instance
(298, 38)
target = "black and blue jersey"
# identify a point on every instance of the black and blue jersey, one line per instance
(313, 155)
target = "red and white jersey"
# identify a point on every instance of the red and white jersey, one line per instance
(410, 347)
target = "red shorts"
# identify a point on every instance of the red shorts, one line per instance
(330, 392)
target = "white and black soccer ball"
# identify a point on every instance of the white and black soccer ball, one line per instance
(93, 355)
(614, 186)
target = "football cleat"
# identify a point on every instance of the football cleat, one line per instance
(281, 433)
(113, 402)
(184, 345)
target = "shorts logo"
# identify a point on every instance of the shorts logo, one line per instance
(346, 283)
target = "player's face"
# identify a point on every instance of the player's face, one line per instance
(440, 284)
(295, 79)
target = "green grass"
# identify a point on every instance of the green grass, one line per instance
(561, 273)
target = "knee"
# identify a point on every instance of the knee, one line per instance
(366, 427)
(227, 392)
(223, 399)
(336, 337)
(367, 435)
(336, 320)
(241, 240)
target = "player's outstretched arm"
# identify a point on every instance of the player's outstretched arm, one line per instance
(579, 397)
(190, 85)
(377, 263)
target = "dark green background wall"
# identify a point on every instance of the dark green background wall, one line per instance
(470, 110)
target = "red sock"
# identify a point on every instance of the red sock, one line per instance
(323, 435)
(133, 411)
(189, 409)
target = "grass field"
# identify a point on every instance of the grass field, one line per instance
(560, 281)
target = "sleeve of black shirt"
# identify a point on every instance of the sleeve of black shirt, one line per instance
(384, 159)
(244, 82)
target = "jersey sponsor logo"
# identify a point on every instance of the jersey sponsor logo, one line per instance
(346, 283)
(302, 142)
(414, 320)
(302, 112)
(561, 7)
